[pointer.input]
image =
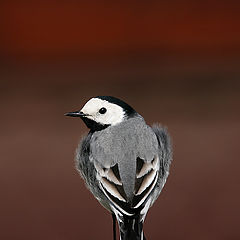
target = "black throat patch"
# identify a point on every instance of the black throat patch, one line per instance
(94, 126)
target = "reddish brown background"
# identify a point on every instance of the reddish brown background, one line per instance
(175, 62)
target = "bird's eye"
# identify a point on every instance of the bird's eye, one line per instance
(102, 110)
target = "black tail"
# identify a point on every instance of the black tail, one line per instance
(131, 228)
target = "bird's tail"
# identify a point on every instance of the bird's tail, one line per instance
(131, 228)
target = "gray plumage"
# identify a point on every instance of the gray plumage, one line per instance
(125, 166)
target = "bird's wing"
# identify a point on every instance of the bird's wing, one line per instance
(151, 176)
(165, 158)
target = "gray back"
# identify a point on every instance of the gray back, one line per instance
(122, 144)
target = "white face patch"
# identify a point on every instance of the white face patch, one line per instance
(113, 115)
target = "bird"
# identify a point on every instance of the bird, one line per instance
(124, 161)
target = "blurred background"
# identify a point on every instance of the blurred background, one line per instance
(175, 62)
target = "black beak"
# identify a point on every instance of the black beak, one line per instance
(75, 114)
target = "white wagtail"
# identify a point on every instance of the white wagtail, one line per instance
(124, 162)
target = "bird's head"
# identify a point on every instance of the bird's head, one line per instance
(103, 111)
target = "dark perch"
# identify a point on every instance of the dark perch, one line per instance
(114, 226)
